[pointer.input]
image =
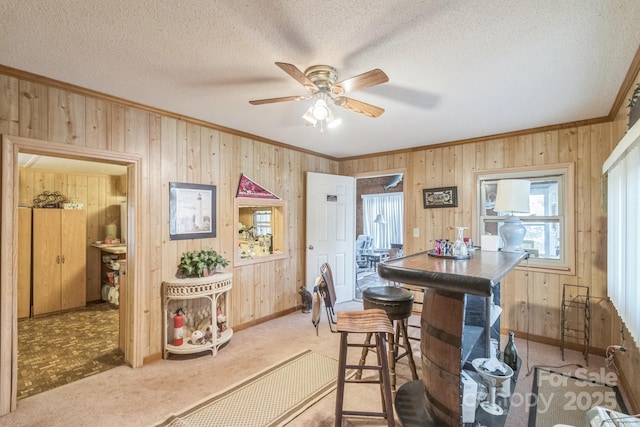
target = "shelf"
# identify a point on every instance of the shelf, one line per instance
(210, 289)
(188, 348)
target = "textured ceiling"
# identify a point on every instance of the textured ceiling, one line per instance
(457, 69)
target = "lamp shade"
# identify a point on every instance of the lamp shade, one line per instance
(379, 219)
(513, 195)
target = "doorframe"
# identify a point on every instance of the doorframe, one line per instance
(11, 147)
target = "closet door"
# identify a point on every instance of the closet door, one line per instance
(73, 251)
(47, 289)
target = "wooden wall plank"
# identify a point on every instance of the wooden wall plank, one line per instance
(66, 117)
(9, 105)
(98, 117)
(33, 110)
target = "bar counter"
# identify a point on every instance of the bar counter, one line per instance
(477, 275)
(460, 315)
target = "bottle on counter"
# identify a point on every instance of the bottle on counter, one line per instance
(510, 354)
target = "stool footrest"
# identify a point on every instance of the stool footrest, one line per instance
(361, 345)
(362, 381)
(365, 414)
(367, 367)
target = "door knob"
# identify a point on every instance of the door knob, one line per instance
(310, 247)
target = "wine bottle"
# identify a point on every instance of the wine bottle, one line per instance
(510, 355)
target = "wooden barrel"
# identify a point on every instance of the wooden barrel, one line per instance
(441, 348)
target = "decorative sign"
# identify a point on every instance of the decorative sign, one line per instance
(192, 211)
(444, 197)
(249, 189)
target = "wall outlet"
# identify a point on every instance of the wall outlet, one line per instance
(416, 232)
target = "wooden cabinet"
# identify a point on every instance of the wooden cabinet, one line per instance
(24, 262)
(59, 259)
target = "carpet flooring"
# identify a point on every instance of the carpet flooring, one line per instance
(60, 348)
(148, 395)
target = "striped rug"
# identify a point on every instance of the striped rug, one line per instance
(270, 398)
(560, 398)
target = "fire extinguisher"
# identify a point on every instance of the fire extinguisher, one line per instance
(178, 323)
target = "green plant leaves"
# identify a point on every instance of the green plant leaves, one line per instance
(199, 263)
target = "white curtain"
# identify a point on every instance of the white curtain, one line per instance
(623, 256)
(391, 207)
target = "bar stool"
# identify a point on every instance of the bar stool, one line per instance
(372, 322)
(397, 303)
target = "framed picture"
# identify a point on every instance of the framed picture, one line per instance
(444, 197)
(192, 211)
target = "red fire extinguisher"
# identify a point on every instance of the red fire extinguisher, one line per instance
(178, 323)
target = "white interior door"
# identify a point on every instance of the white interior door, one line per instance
(331, 230)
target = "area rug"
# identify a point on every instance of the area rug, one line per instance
(270, 398)
(559, 398)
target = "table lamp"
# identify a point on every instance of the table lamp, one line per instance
(513, 196)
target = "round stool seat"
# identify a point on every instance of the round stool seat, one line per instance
(396, 302)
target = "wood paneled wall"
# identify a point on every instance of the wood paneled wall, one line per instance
(183, 151)
(101, 196)
(536, 312)
(531, 299)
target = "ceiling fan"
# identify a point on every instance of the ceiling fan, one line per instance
(322, 82)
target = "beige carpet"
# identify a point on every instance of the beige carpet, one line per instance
(270, 398)
(564, 399)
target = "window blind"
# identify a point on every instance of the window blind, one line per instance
(623, 221)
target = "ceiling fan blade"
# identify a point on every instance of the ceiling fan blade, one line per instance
(298, 75)
(359, 106)
(361, 81)
(281, 99)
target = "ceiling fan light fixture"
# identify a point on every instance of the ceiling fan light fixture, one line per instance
(320, 110)
(308, 116)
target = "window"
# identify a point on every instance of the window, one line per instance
(260, 235)
(262, 221)
(623, 210)
(390, 207)
(549, 223)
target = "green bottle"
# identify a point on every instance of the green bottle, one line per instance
(510, 355)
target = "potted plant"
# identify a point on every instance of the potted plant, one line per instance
(634, 106)
(200, 263)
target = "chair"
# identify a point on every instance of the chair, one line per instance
(364, 245)
(397, 303)
(374, 322)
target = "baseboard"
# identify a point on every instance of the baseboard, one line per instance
(237, 328)
(633, 403)
(555, 342)
(152, 358)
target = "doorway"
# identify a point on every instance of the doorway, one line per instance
(129, 305)
(379, 224)
(76, 316)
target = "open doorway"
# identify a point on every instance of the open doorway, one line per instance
(72, 208)
(379, 225)
(129, 305)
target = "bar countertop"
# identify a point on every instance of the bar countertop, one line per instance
(477, 275)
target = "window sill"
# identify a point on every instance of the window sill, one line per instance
(239, 262)
(562, 270)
